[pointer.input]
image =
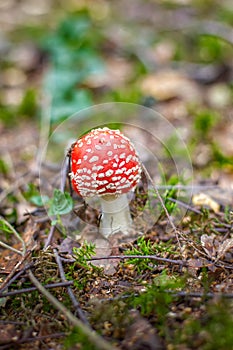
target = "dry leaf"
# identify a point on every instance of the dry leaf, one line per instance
(168, 84)
(141, 335)
(8, 333)
(8, 259)
(224, 247)
(208, 245)
(202, 199)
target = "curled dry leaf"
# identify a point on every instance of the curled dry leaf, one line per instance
(208, 244)
(202, 199)
(224, 248)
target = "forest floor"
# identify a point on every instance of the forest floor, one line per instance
(161, 71)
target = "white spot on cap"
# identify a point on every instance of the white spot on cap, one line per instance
(79, 161)
(109, 172)
(85, 177)
(109, 153)
(97, 167)
(98, 147)
(110, 186)
(119, 171)
(101, 190)
(122, 164)
(94, 159)
(102, 183)
(122, 156)
(114, 178)
(128, 158)
(129, 171)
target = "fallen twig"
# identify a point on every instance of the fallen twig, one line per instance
(152, 257)
(31, 289)
(184, 205)
(7, 246)
(50, 237)
(180, 294)
(69, 290)
(9, 282)
(177, 232)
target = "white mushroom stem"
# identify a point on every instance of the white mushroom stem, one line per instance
(115, 214)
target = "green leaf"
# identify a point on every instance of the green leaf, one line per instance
(61, 203)
(33, 195)
(39, 201)
(58, 81)
(64, 108)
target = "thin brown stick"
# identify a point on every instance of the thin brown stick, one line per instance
(41, 337)
(69, 290)
(181, 294)
(50, 237)
(32, 289)
(177, 233)
(152, 257)
(14, 278)
(93, 337)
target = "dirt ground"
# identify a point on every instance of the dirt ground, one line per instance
(161, 72)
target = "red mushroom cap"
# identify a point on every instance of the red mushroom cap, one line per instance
(104, 162)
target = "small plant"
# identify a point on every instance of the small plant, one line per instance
(205, 120)
(77, 340)
(146, 247)
(81, 271)
(33, 195)
(213, 331)
(84, 253)
(220, 159)
(157, 298)
(60, 204)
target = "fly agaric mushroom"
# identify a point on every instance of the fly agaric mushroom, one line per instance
(104, 163)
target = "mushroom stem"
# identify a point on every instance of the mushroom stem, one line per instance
(115, 214)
